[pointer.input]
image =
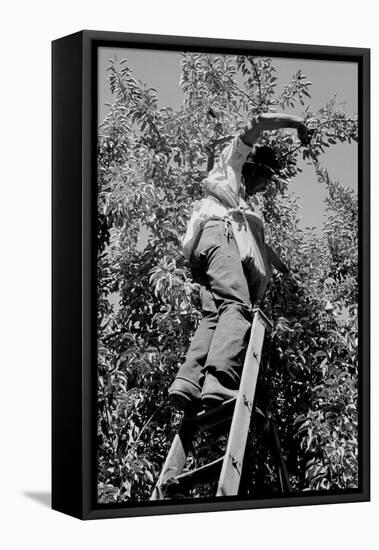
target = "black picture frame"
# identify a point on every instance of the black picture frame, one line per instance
(74, 133)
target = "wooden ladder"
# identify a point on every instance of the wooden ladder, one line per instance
(239, 410)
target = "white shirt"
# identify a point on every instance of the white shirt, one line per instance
(224, 200)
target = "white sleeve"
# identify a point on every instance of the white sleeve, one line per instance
(224, 180)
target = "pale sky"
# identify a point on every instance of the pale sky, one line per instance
(161, 70)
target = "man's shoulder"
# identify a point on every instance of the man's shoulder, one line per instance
(237, 147)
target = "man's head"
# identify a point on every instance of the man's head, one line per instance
(259, 168)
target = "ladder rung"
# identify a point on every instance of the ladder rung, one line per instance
(203, 473)
(264, 319)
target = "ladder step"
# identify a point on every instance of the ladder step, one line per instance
(203, 473)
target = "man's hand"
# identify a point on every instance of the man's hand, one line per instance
(304, 134)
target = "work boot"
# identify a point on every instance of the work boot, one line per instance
(184, 395)
(214, 393)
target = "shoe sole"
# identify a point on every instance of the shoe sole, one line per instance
(181, 401)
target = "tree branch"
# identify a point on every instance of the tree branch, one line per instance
(146, 425)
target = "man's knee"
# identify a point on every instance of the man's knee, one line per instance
(238, 308)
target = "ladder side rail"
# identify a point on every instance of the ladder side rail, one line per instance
(232, 466)
(282, 467)
(175, 460)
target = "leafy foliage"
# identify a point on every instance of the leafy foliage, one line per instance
(151, 162)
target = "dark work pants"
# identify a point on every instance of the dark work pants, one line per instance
(219, 343)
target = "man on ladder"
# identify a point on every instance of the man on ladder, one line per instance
(229, 258)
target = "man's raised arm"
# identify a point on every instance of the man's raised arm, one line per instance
(273, 121)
